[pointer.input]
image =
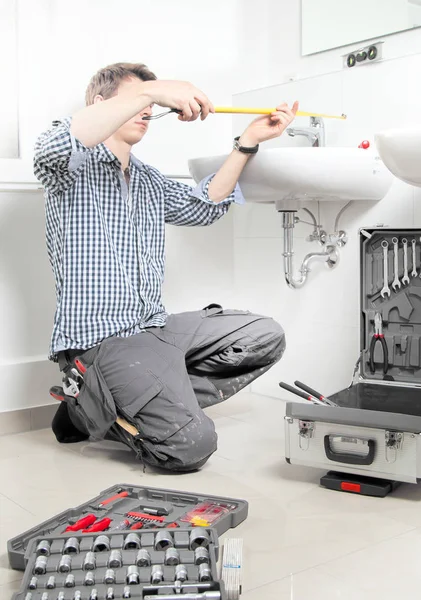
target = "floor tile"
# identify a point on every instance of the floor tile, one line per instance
(10, 588)
(312, 584)
(389, 569)
(13, 520)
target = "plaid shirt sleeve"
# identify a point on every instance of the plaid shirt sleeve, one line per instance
(59, 157)
(185, 205)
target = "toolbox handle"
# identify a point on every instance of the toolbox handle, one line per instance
(350, 459)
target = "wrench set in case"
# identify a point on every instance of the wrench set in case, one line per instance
(132, 542)
(375, 429)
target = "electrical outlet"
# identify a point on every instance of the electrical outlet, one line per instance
(363, 56)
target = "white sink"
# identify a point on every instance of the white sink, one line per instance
(400, 150)
(289, 176)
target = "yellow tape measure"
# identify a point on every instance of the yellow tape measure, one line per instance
(268, 111)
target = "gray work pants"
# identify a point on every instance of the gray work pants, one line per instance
(164, 377)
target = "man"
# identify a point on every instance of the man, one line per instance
(106, 213)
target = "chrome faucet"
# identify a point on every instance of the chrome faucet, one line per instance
(315, 133)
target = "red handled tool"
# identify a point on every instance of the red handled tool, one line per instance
(81, 524)
(123, 494)
(57, 393)
(99, 526)
(318, 395)
(125, 524)
(378, 336)
(80, 366)
(308, 397)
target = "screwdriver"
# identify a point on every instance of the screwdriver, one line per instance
(81, 524)
(100, 526)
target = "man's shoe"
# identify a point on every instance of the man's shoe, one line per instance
(63, 428)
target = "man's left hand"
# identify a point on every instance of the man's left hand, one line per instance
(270, 126)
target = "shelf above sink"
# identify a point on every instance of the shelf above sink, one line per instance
(291, 176)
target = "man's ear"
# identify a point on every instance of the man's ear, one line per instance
(98, 98)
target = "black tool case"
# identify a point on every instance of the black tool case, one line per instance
(169, 521)
(375, 429)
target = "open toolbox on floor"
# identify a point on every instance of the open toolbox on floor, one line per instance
(128, 542)
(153, 564)
(373, 428)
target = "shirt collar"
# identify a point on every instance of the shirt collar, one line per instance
(136, 162)
(104, 154)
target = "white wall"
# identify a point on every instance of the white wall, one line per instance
(270, 45)
(329, 23)
(62, 44)
(322, 320)
(9, 147)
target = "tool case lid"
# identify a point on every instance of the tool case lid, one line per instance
(220, 513)
(400, 311)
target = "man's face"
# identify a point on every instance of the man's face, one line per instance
(133, 130)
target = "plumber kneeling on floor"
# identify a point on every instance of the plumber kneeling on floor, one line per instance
(122, 356)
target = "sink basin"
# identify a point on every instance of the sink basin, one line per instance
(400, 150)
(289, 176)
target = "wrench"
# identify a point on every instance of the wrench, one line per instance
(396, 283)
(386, 290)
(414, 259)
(405, 278)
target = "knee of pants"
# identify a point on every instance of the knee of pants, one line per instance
(271, 340)
(201, 442)
(189, 449)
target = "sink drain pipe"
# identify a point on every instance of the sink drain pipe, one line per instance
(330, 254)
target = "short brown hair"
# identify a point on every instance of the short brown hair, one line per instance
(106, 81)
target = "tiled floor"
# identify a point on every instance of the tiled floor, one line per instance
(301, 542)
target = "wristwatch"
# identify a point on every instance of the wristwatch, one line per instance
(245, 149)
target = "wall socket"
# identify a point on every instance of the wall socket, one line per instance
(363, 56)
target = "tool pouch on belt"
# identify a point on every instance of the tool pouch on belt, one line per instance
(93, 410)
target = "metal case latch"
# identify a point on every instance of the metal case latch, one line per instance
(305, 430)
(393, 443)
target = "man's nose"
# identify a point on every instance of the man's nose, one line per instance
(146, 112)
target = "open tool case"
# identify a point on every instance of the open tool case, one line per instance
(375, 429)
(128, 542)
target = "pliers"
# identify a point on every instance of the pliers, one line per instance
(378, 336)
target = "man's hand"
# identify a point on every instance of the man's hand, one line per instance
(270, 126)
(178, 94)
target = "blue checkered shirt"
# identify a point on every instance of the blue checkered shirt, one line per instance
(106, 240)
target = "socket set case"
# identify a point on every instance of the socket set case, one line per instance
(375, 429)
(152, 564)
(131, 508)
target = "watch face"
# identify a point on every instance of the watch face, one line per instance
(244, 149)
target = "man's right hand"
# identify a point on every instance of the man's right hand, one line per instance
(178, 94)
